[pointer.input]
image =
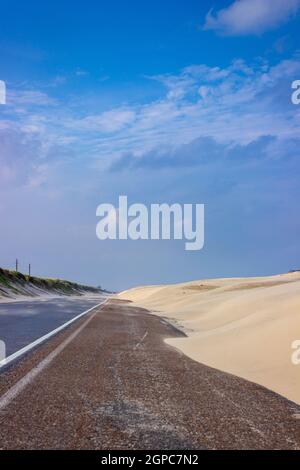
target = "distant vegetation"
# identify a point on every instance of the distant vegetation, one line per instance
(13, 284)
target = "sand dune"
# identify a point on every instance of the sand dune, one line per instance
(244, 326)
(15, 286)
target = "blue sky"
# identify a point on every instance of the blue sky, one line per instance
(162, 101)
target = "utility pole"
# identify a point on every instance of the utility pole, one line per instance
(29, 270)
(17, 265)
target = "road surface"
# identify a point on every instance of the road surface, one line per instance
(23, 322)
(111, 382)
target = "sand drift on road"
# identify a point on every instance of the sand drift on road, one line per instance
(244, 326)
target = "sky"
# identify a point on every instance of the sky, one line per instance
(175, 102)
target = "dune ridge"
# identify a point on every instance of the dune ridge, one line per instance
(17, 286)
(244, 326)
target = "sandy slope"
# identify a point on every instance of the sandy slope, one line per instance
(15, 286)
(242, 326)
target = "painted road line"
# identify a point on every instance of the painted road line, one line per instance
(40, 340)
(140, 342)
(14, 391)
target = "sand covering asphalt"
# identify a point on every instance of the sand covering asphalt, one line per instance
(114, 387)
(245, 326)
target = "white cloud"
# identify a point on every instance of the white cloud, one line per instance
(81, 73)
(106, 122)
(38, 176)
(238, 103)
(16, 156)
(30, 97)
(245, 17)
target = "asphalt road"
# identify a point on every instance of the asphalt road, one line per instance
(21, 323)
(111, 382)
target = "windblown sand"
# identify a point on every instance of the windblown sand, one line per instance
(244, 326)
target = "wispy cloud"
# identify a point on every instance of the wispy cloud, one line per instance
(233, 105)
(29, 97)
(245, 17)
(200, 152)
(239, 103)
(81, 73)
(107, 122)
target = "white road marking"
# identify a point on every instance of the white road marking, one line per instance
(140, 342)
(16, 389)
(40, 340)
